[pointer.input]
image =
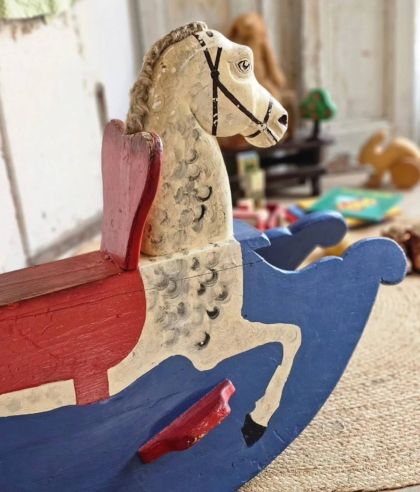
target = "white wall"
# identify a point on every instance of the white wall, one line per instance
(363, 53)
(11, 252)
(49, 76)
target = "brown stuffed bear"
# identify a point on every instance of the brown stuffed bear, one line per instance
(250, 29)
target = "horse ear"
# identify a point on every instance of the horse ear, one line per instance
(130, 174)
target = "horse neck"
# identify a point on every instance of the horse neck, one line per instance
(193, 204)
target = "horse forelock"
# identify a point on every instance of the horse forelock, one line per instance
(141, 90)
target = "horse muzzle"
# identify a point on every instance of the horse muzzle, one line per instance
(271, 132)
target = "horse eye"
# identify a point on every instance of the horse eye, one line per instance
(244, 66)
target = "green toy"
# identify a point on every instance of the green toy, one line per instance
(317, 106)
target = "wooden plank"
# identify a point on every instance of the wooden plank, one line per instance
(51, 277)
(130, 170)
(192, 425)
(290, 246)
(76, 334)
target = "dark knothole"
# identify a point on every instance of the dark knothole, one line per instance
(213, 279)
(195, 263)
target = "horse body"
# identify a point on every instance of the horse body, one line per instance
(193, 209)
(194, 304)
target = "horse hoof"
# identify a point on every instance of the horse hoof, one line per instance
(252, 431)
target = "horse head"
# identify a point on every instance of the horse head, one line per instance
(195, 85)
(229, 100)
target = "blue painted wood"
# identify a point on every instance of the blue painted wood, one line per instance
(249, 236)
(290, 246)
(93, 448)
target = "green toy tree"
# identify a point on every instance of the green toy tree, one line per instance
(317, 106)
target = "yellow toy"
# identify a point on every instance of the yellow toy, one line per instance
(400, 157)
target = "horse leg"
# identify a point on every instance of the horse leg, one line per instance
(256, 422)
(270, 401)
(242, 336)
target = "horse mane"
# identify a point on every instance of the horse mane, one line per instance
(140, 92)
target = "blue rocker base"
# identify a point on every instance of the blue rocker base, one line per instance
(94, 447)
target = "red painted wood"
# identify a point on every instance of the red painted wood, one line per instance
(130, 170)
(76, 333)
(58, 275)
(74, 319)
(191, 426)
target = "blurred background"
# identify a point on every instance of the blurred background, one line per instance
(67, 67)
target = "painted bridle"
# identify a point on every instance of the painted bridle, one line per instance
(218, 85)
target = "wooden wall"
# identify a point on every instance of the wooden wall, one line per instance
(364, 52)
(282, 17)
(61, 79)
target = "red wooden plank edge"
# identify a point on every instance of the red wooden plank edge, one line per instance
(51, 277)
(191, 426)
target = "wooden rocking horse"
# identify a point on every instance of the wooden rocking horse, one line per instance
(216, 347)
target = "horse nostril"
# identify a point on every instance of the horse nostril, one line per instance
(283, 119)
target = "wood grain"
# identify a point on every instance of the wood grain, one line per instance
(44, 279)
(74, 319)
(130, 173)
(191, 426)
(75, 333)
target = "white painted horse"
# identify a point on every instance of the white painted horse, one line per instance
(195, 85)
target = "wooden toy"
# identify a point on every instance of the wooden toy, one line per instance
(251, 176)
(317, 107)
(264, 217)
(400, 158)
(211, 314)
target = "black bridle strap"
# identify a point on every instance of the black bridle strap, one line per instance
(266, 118)
(214, 72)
(217, 84)
(215, 76)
